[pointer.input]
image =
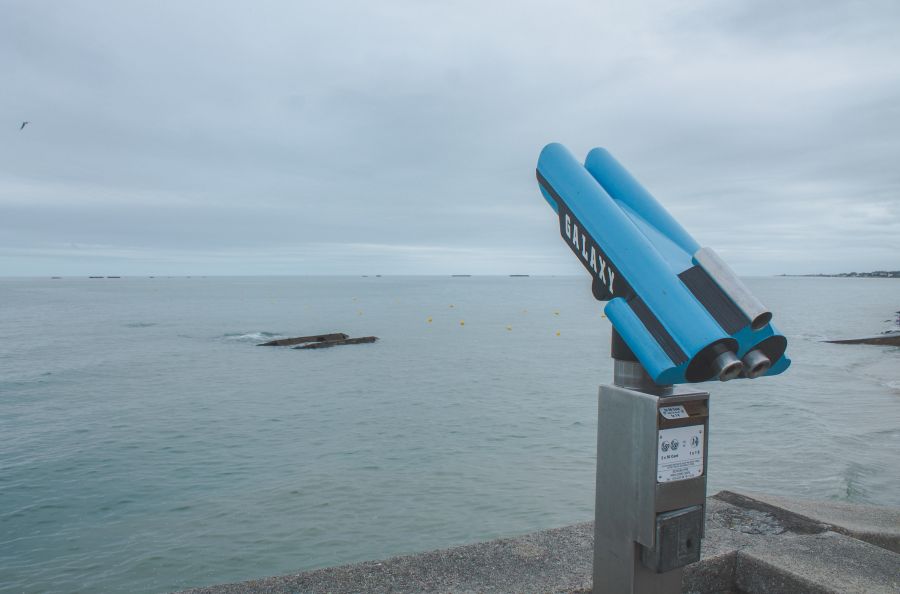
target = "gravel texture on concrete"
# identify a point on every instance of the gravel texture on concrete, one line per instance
(549, 561)
(752, 544)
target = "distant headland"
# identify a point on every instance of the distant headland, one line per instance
(875, 274)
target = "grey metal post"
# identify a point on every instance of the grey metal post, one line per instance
(651, 481)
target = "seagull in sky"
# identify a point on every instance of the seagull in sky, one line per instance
(22, 127)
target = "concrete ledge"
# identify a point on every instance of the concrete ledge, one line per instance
(753, 543)
(556, 560)
(826, 563)
(877, 525)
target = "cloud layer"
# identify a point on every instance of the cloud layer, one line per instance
(401, 136)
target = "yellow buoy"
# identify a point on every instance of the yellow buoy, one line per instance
(557, 332)
(462, 322)
(509, 327)
(556, 313)
(451, 305)
(429, 319)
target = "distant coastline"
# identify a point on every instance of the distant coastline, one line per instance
(875, 274)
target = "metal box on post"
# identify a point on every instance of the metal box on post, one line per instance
(651, 487)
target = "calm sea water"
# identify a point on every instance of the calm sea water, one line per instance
(147, 445)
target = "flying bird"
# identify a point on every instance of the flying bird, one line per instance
(22, 127)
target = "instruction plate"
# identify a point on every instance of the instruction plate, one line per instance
(679, 454)
(673, 412)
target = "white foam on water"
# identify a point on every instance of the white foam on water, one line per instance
(254, 336)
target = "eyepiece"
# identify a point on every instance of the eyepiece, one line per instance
(727, 366)
(716, 360)
(760, 321)
(756, 363)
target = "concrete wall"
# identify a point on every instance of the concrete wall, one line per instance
(754, 543)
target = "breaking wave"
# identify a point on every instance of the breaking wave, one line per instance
(252, 336)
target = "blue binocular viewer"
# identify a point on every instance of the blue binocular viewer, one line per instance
(678, 307)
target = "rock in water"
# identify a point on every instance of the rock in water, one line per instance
(302, 339)
(331, 343)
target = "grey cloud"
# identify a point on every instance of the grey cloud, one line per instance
(184, 129)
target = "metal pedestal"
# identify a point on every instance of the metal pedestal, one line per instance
(651, 483)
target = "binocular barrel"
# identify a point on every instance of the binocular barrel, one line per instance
(679, 307)
(728, 281)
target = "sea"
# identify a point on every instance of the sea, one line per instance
(147, 444)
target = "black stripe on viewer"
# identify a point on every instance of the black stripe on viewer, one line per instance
(656, 329)
(546, 185)
(713, 298)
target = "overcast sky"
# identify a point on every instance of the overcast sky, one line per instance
(400, 137)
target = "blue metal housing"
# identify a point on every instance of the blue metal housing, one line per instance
(673, 315)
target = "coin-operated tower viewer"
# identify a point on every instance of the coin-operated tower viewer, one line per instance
(679, 315)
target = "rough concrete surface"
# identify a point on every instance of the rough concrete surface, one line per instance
(828, 563)
(877, 525)
(549, 561)
(752, 544)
